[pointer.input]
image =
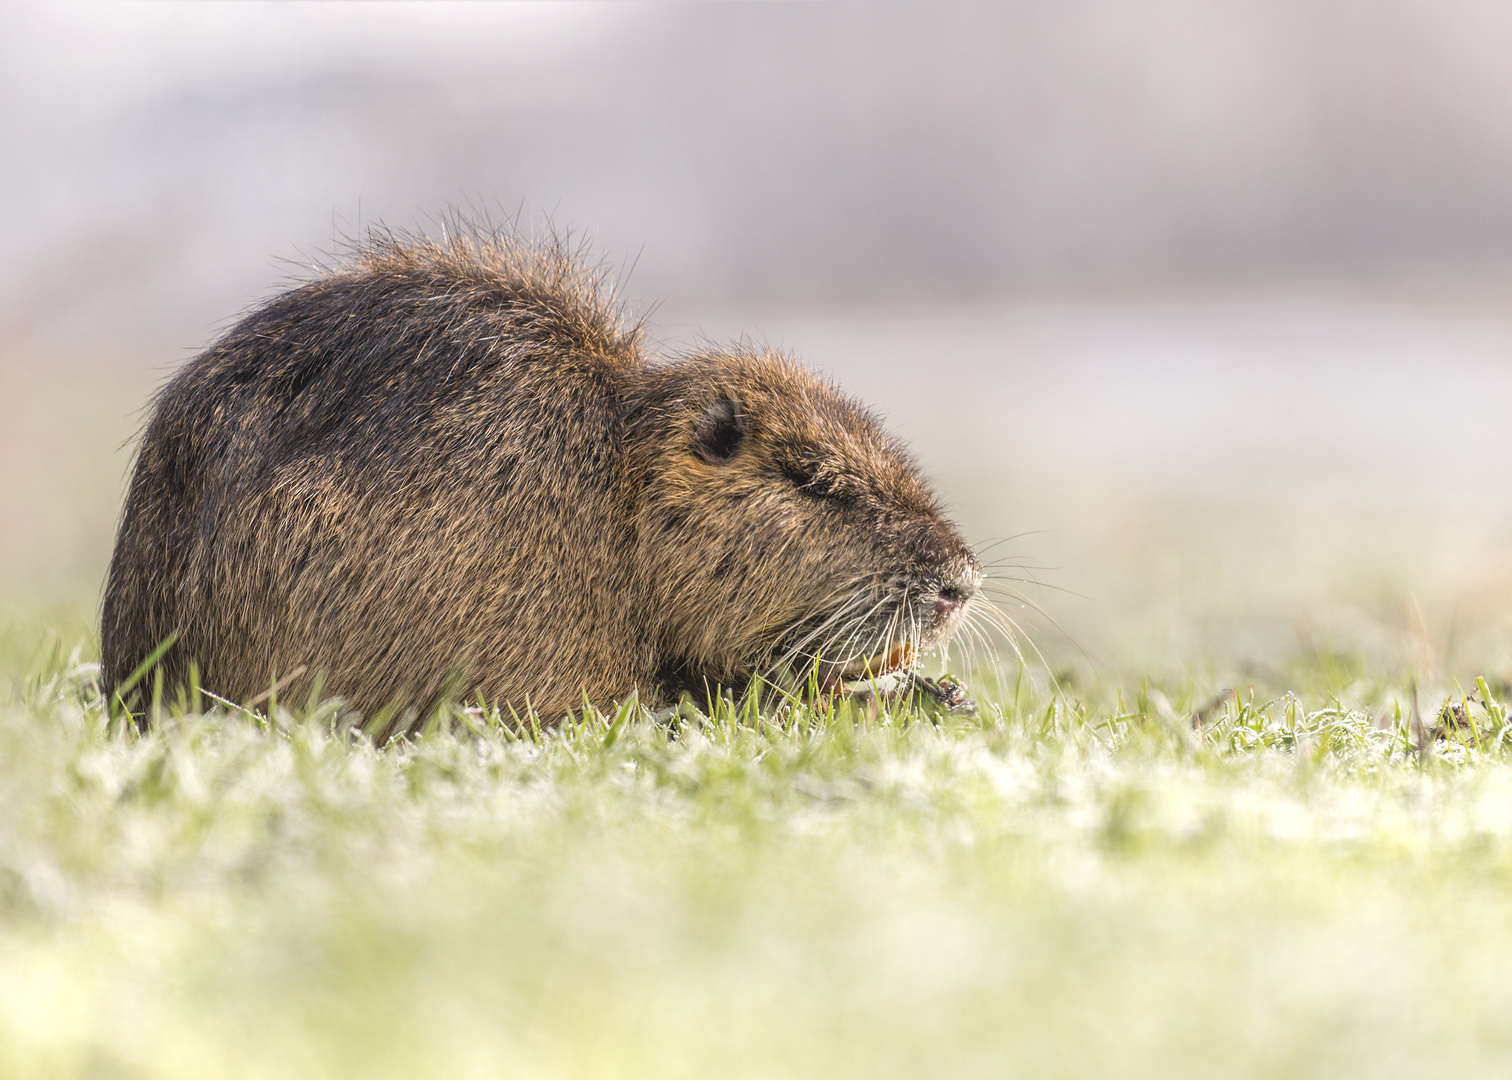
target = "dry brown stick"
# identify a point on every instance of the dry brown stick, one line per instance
(276, 687)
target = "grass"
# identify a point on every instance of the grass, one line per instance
(1061, 886)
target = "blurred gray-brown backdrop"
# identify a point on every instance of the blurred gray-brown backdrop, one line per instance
(1212, 300)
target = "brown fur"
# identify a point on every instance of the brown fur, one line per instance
(450, 468)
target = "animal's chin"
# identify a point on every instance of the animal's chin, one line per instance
(801, 658)
(900, 656)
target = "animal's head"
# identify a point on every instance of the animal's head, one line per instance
(779, 524)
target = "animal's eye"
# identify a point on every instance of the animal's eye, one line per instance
(808, 482)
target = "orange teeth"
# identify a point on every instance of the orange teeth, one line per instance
(900, 657)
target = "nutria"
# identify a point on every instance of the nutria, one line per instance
(452, 468)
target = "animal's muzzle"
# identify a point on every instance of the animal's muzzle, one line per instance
(956, 591)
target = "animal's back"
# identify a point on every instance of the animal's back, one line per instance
(385, 470)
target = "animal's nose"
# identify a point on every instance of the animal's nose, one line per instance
(950, 598)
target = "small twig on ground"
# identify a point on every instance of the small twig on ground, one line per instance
(279, 685)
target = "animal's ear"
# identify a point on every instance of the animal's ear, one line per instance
(720, 431)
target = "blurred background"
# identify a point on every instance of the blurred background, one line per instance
(1208, 306)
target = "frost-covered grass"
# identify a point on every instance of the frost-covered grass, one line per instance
(1076, 883)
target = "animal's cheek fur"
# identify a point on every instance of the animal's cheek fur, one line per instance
(738, 577)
